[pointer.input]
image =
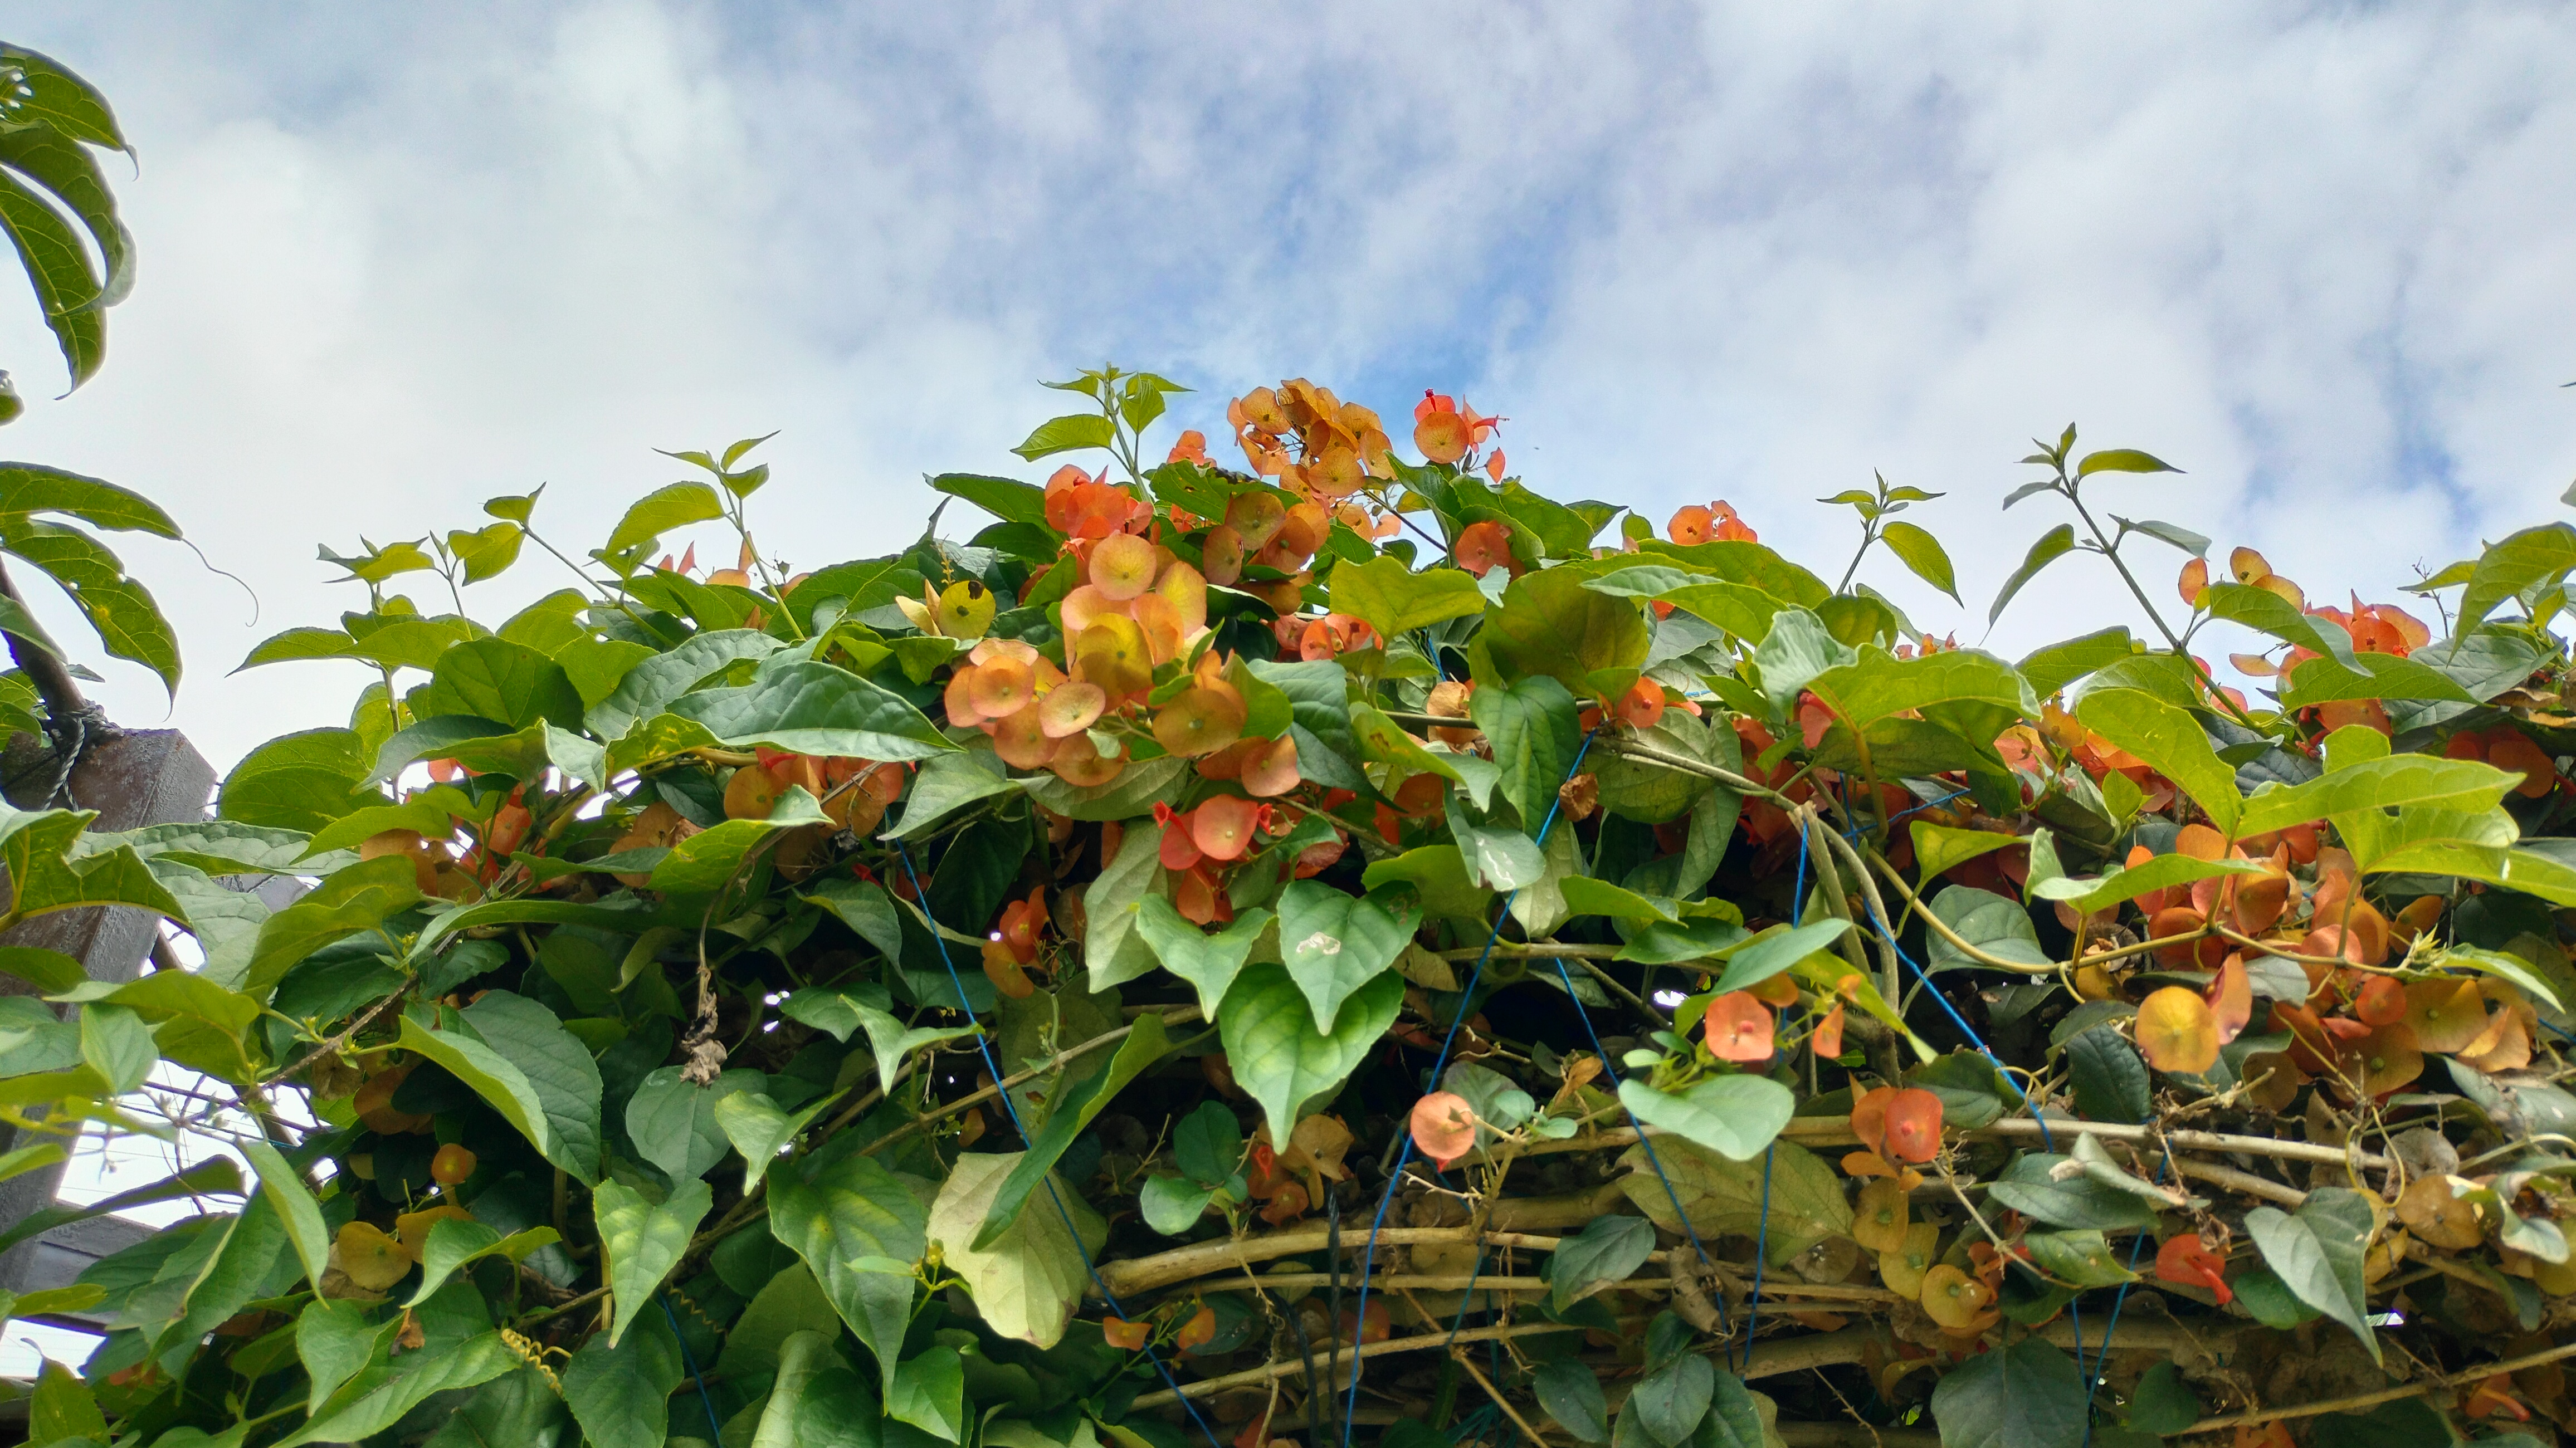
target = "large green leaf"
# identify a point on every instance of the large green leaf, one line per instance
(1396, 600)
(557, 1066)
(1995, 924)
(929, 1392)
(58, 265)
(648, 688)
(2159, 873)
(1877, 685)
(357, 897)
(1735, 1116)
(2028, 1395)
(1008, 499)
(293, 1202)
(1551, 624)
(1777, 949)
(1027, 1283)
(1721, 1196)
(1268, 1027)
(2392, 782)
(383, 1400)
(1208, 962)
(1922, 553)
(1072, 1112)
(33, 488)
(496, 679)
(493, 1077)
(2520, 565)
(1534, 728)
(760, 1129)
(37, 848)
(2032, 1188)
(2171, 742)
(119, 609)
(335, 1340)
(861, 1230)
(1336, 943)
(1113, 950)
(2055, 666)
(2317, 1251)
(948, 784)
(520, 1409)
(1069, 433)
(1605, 1251)
(710, 859)
(643, 1241)
(2054, 544)
(660, 511)
(807, 707)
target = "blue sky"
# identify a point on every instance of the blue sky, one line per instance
(397, 259)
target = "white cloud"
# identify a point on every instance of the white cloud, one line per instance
(394, 262)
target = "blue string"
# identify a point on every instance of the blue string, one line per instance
(985, 1049)
(2102, 1355)
(1761, 1255)
(715, 1431)
(1377, 1224)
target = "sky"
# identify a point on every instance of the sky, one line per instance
(395, 260)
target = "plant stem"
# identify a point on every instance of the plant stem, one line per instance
(2112, 552)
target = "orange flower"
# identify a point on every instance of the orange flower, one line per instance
(1444, 1127)
(1739, 1028)
(1191, 448)
(1643, 705)
(1900, 1124)
(1481, 547)
(1828, 1040)
(2186, 1262)
(2177, 1031)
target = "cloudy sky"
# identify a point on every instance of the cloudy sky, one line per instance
(397, 259)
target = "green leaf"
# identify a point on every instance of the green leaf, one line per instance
(806, 707)
(1066, 434)
(1113, 948)
(2317, 1252)
(1923, 553)
(2111, 1082)
(947, 784)
(58, 266)
(1939, 849)
(1029, 1280)
(335, 1340)
(2391, 782)
(1571, 1394)
(707, 861)
(1670, 1400)
(1008, 499)
(660, 511)
(357, 897)
(649, 687)
(556, 1065)
(499, 680)
(1335, 943)
(2121, 460)
(1877, 685)
(486, 552)
(2161, 1404)
(1776, 950)
(619, 1393)
(116, 1044)
(2056, 543)
(1267, 1025)
(2174, 533)
(219, 1177)
(929, 1392)
(1072, 1113)
(2159, 873)
(1657, 794)
(1995, 924)
(1607, 1250)
(513, 1410)
(2404, 1423)
(1551, 624)
(1721, 1196)
(453, 1245)
(643, 1241)
(1735, 1116)
(2049, 670)
(294, 1204)
(1171, 1205)
(2172, 743)
(2028, 1395)
(1534, 728)
(1396, 600)
(860, 1229)
(2078, 1259)
(495, 1079)
(1798, 649)
(2519, 566)
(62, 1407)
(478, 1360)
(2078, 1202)
(1208, 962)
